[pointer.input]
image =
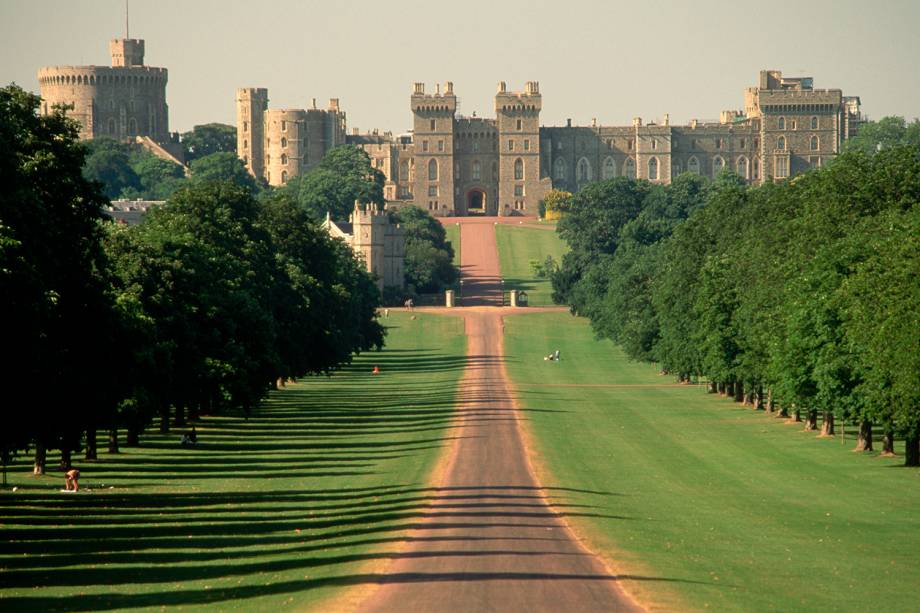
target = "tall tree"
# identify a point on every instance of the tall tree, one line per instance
(207, 139)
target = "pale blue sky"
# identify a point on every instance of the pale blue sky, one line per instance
(606, 59)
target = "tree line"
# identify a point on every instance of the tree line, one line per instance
(202, 308)
(800, 298)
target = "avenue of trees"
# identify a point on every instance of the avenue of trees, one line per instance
(202, 308)
(800, 298)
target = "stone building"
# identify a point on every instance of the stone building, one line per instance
(450, 164)
(279, 144)
(380, 243)
(124, 101)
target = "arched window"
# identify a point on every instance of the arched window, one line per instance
(132, 126)
(814, 143)
(814, 123)
(559, 169)
(432, 170)
(584, 170)
(653, 169)
(284, 176)
(718, 164)
(693, 165)
(519, 169)
(283, 142)
(630, 168)
(284, 159)
(245, 144)
(781, 123)
(403, 171)
(756, 168)
(781, 143)
(477, 170)
(741, 167)
(609, 169)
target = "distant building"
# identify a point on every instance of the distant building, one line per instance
(130, 212)
(380, 243)
(124, 101)
(455, 165)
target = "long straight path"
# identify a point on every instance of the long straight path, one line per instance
(490, 541)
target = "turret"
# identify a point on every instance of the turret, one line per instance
(251, 104)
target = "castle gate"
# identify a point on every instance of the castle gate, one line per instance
(476, 202)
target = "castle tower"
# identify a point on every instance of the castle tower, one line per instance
(369, 228)
(518, 121)
(127, 52)
(251, 104)
(433, 138)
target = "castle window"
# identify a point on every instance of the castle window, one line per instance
(718, 165)
(814, 161)
(283, 126)
(653, 169)
(781, 123)
(609, 169)
(793, 124)
(284, 159)
(559, 169)
(814, 143)
(432, 170)
(741, 144)
(781, 143)
(526, 144)
(675, 170)
(520, 124)
(631, 168)
(814, 123)
(246, 159)
(782, 167)
(424, 145)
(518, 190)
(477, 170)
(283, 142)
(693, 165)
(631, 144)
(583, 170)
(284, 176)
(245, 144)
(431, 125)
(245, 126)
(440, 145)
(756, 168)
(693, 143)
(403, 171)
(654, 143)
(741, 167)
(475, 146)
(518, 169)
(432, 190)
(756, 143)
(510, 145)
(718, 143)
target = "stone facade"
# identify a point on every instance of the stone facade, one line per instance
(380, 243)
(279, 144)
(455, 165)
(125, 101)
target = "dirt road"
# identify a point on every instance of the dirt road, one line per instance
(490, 541)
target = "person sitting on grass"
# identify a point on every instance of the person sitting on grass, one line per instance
(72, 480)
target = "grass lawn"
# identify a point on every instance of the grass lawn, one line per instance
(517, 246)
(453, 235)
(709, 504)
(273, 513)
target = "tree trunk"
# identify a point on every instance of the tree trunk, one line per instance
(811, 420)
(40, 455)
(739, 391)
(180, 414)
(864, 438)
(912, 447)
(164, 419)
(769, 405)
(827, 428)
(194, 411)
(66, 463)
(758, 399)
(134, 436)
(723, 388)
(91, 452)
(713, 388)
(888, 442)
(747, 398)
(113, 439)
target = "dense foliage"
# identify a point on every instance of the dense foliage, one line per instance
(201, 308)
(429, 264)
(800, 297)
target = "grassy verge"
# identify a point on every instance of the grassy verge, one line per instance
(706, 503)
(517, 247)
(453, 235)
(272, 513)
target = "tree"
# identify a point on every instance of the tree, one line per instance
(56, 312)
(883, 134)
(343, 176)
(222, 166)
(108, 163)
(429, 264)
(158, 179)
(556, 203)
(207, 139)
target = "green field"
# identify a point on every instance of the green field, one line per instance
(705, 503)
(517, 247)
(453, 235)
(271, 513)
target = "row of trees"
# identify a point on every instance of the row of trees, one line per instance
(801, 297)
(200, 309)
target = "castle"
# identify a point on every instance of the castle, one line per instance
(455, 165)
(375, 239)
(126, 100)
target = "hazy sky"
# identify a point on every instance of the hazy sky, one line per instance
(612, 60)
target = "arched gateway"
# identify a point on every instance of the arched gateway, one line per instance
(476, 202)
